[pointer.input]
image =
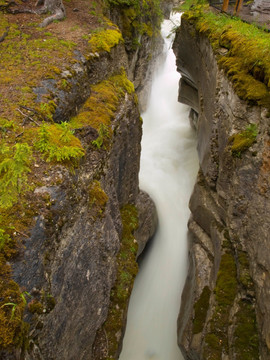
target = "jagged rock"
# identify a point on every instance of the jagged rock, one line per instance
(261, 6)
(147, 218)
(69, 261)
(228, 279)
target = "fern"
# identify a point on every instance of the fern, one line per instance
(104, 134)
(14, 168)
(58, 143)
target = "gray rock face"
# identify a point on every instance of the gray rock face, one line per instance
(261, 6)
(147, 218)
(71, 254)
(225, 302)
(69, 263)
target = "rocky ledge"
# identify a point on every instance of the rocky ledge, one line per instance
(70, 237)
(225, 312)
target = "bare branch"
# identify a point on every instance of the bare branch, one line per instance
(27, 117)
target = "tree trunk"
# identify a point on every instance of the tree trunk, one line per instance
(225, 5)
(238, 6)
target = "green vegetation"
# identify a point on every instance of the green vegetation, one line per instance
(23, 56)
(233, 278)
(103, 136)
(31, 145)
(187, 4)
(216, 341)
(14, 166)
(246, 344)
(97, 199)
(139, 18)
(102, 104)
(126, 272)
(200, 310)
(243, 140)
(248, 57)
(104, 40)
(58, 143)
(12, 328)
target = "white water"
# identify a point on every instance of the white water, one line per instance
(168, 170)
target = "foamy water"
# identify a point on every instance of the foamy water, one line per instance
(168, 170)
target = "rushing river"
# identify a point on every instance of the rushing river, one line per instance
(168, 171)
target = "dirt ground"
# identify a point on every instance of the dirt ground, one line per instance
(246, 14)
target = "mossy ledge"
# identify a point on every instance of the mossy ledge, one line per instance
(64, 91)
(231, 314)
(250, 75)
(127, 269)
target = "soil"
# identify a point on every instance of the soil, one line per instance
(81, 16)
(246, 14)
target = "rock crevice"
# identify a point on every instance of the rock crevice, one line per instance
(225, 301)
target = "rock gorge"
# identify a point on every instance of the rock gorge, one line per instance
(77, 227)
(224, 312)
(65, 289)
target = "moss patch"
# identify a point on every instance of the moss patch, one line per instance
(126, 272)
(12, 328)
(139, 18)
(243, 140)
(216, 341)
(250, 74)
(103, 102)
(246, 345)
(58, 143)
(200, 310)
(233, 278)
(104, 40)
(97, 199)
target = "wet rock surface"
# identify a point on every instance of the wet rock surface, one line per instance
(225, 301)
(68, 264)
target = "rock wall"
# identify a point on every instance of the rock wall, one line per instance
(70, 262)
(225, 303)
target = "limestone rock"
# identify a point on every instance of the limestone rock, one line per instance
(147, 219)
(261, 6)
(228, 280)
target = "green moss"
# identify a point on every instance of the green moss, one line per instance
(14, 166)
(138, 18)
(13, 330)
(49, 301)
(250, 74)
(104, 40)
(58, 143)
(35, 307)
(103, 102)
(97, 199)
(244, 275)
(216, 341)
(226, 284)
(214, 347)
(200, 310)
(126, 272)
(23, 57)
(243, 140)
(103, 137)
(246, 345)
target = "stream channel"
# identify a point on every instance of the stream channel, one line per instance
(169, 166)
